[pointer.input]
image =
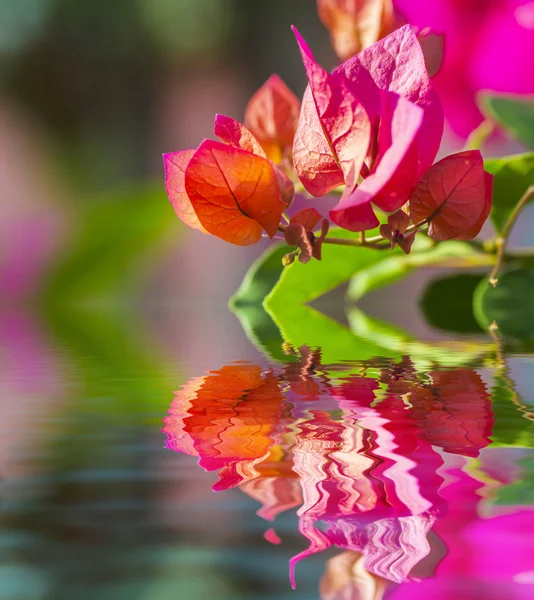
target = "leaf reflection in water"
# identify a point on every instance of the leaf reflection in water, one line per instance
(361, 453)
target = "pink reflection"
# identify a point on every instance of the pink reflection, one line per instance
(489, 558)
(374, 461)
(31, 232)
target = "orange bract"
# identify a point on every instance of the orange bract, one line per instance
(355, 24)
(272, 115)
(234, 193)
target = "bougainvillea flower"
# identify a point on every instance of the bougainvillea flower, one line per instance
(227, 189)
(454, 195)
(299, 233)
(355, 24)
(333, 133)
(271, 116)
(394, 231)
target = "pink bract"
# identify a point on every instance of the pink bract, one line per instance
(396, 64)
(175, 164)
(341, 120)
(395, 173)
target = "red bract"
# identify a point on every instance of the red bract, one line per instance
(272, 115)
(374, 126)
(454, 196)
(355, 24)
(229, 190)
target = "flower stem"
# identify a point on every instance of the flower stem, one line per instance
(502, 240)
(370, 243)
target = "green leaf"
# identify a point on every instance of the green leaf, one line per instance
(425, 355)
(521, 491)
(448, 303)
(246, 303)
(513, 176)
(514, 113)
(261, 277)
(300, 283)
(261, 330)
(302, 325)
(511, 427)
(393, 268)
(510, 304)
(286, 318)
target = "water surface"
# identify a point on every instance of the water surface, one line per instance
(128, 473)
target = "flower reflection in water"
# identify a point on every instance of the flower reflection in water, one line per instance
(374, 456)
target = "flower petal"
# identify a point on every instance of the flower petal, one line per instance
(235, 134)
(314, 162)
(286, 185)
(272, 115)
(405, 243)
(175, 164)
(234, 193)
(317, 250)
(294, 234)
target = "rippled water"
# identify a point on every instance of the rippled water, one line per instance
(126, 475)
